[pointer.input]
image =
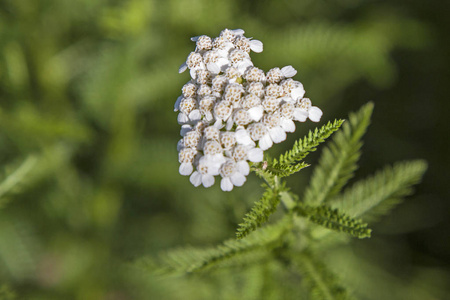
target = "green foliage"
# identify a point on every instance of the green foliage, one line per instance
(291, 239)
(6, 293)
(339, 161)
(321, 283)
(377, 195)
(260, 211)
(256, 246)
(19, 256)
(14, 178)
(285, 170)
(87, 88)
(335, 220)
(289, 163)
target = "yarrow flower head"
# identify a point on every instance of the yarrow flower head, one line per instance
(230, 111)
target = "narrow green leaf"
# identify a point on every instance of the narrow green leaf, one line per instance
(377, 195)
(321, 283)
(255, 247)
(260, 170)
(259, 213)
(339, 160)
(14, 178)
(335, 220)
(286, 170)
(289, 162)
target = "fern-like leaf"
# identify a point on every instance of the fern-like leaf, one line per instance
(14, 178)
(309, 143)
(335, 220)
(261, 171)
(285, 170)
(339, 161)
(377, 195)
(321, 283)
(289, 162)
(256, 246)
(260, 212)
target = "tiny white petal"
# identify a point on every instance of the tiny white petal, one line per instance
(238, 31)
(180, 145)
(182, 118)
(243, 137)
(214, 169)
(186, 169)
(182, 68)
(224, 67)
(288, 125)
(255, 155)
(176, 107)
(315, 113)
(244, 65)
(256, 113)
(228, 46)
(226, 185)
(216, 160)
(196, 178)
(221, 62)
(256, 46)
(209, 116)
(213, 68)
(185, 129)
(193, 73)
(195, 115)
(288, 71)
(207, 180)
(243, 167)
(229, 124)
(288, 99)
(300, 115)
(219, 124)
(265, 142)
(238, 179)
(298, 92)
(277, 134)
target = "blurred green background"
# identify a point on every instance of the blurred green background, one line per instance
(86, 112)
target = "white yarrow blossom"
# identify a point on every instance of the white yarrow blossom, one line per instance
(230, 111)
(256, 46)
(207, 168)
(304, 110)
(233, 174)
(288, 71)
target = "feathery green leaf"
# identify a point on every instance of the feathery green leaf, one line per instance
(14, 178)
(335, 220)
(260, 212)
(286, 170)
(261, 171)
(339, 161)
(321, 283)
(377, 195)
(256, 246)
(309, 143)
(289, 162)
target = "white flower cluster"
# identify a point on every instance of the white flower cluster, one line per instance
(231, 111)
